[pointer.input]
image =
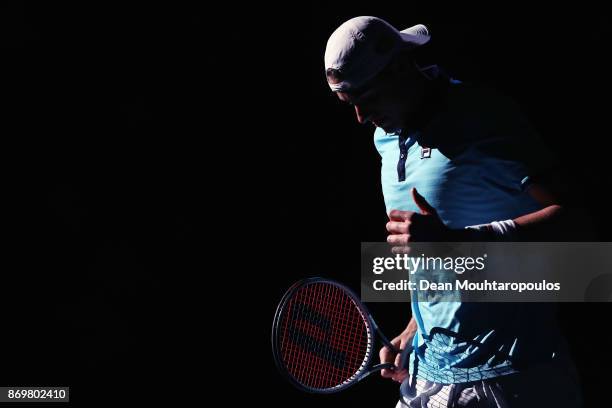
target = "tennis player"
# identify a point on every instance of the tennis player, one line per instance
(459, 163)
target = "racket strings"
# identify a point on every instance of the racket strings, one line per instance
(321, 349)
(325, 340)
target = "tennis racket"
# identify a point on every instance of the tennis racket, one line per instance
(323, 337)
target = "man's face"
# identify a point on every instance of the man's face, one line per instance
(389, 101)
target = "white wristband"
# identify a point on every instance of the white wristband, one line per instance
(503, 230)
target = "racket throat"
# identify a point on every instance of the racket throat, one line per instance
(375, 368)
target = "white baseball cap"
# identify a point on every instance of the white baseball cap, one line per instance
(361, 47)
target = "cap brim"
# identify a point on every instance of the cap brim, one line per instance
(416, 35)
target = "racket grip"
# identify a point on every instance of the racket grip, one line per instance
(377, 367)
(405, 357)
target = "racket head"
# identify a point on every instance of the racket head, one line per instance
(322, 336)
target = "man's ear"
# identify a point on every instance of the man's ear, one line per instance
(395, 68)
(405, 62)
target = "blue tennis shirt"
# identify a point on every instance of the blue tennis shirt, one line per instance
(485, 152)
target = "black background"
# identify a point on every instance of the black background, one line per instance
(173, 170)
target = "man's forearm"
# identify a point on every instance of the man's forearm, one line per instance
(534, 226)
(554, 223)
(412, 328)
(543, 224)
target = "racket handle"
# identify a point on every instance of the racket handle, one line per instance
(405, 356)
(377, 367)
(382, 366)
(403, 363)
